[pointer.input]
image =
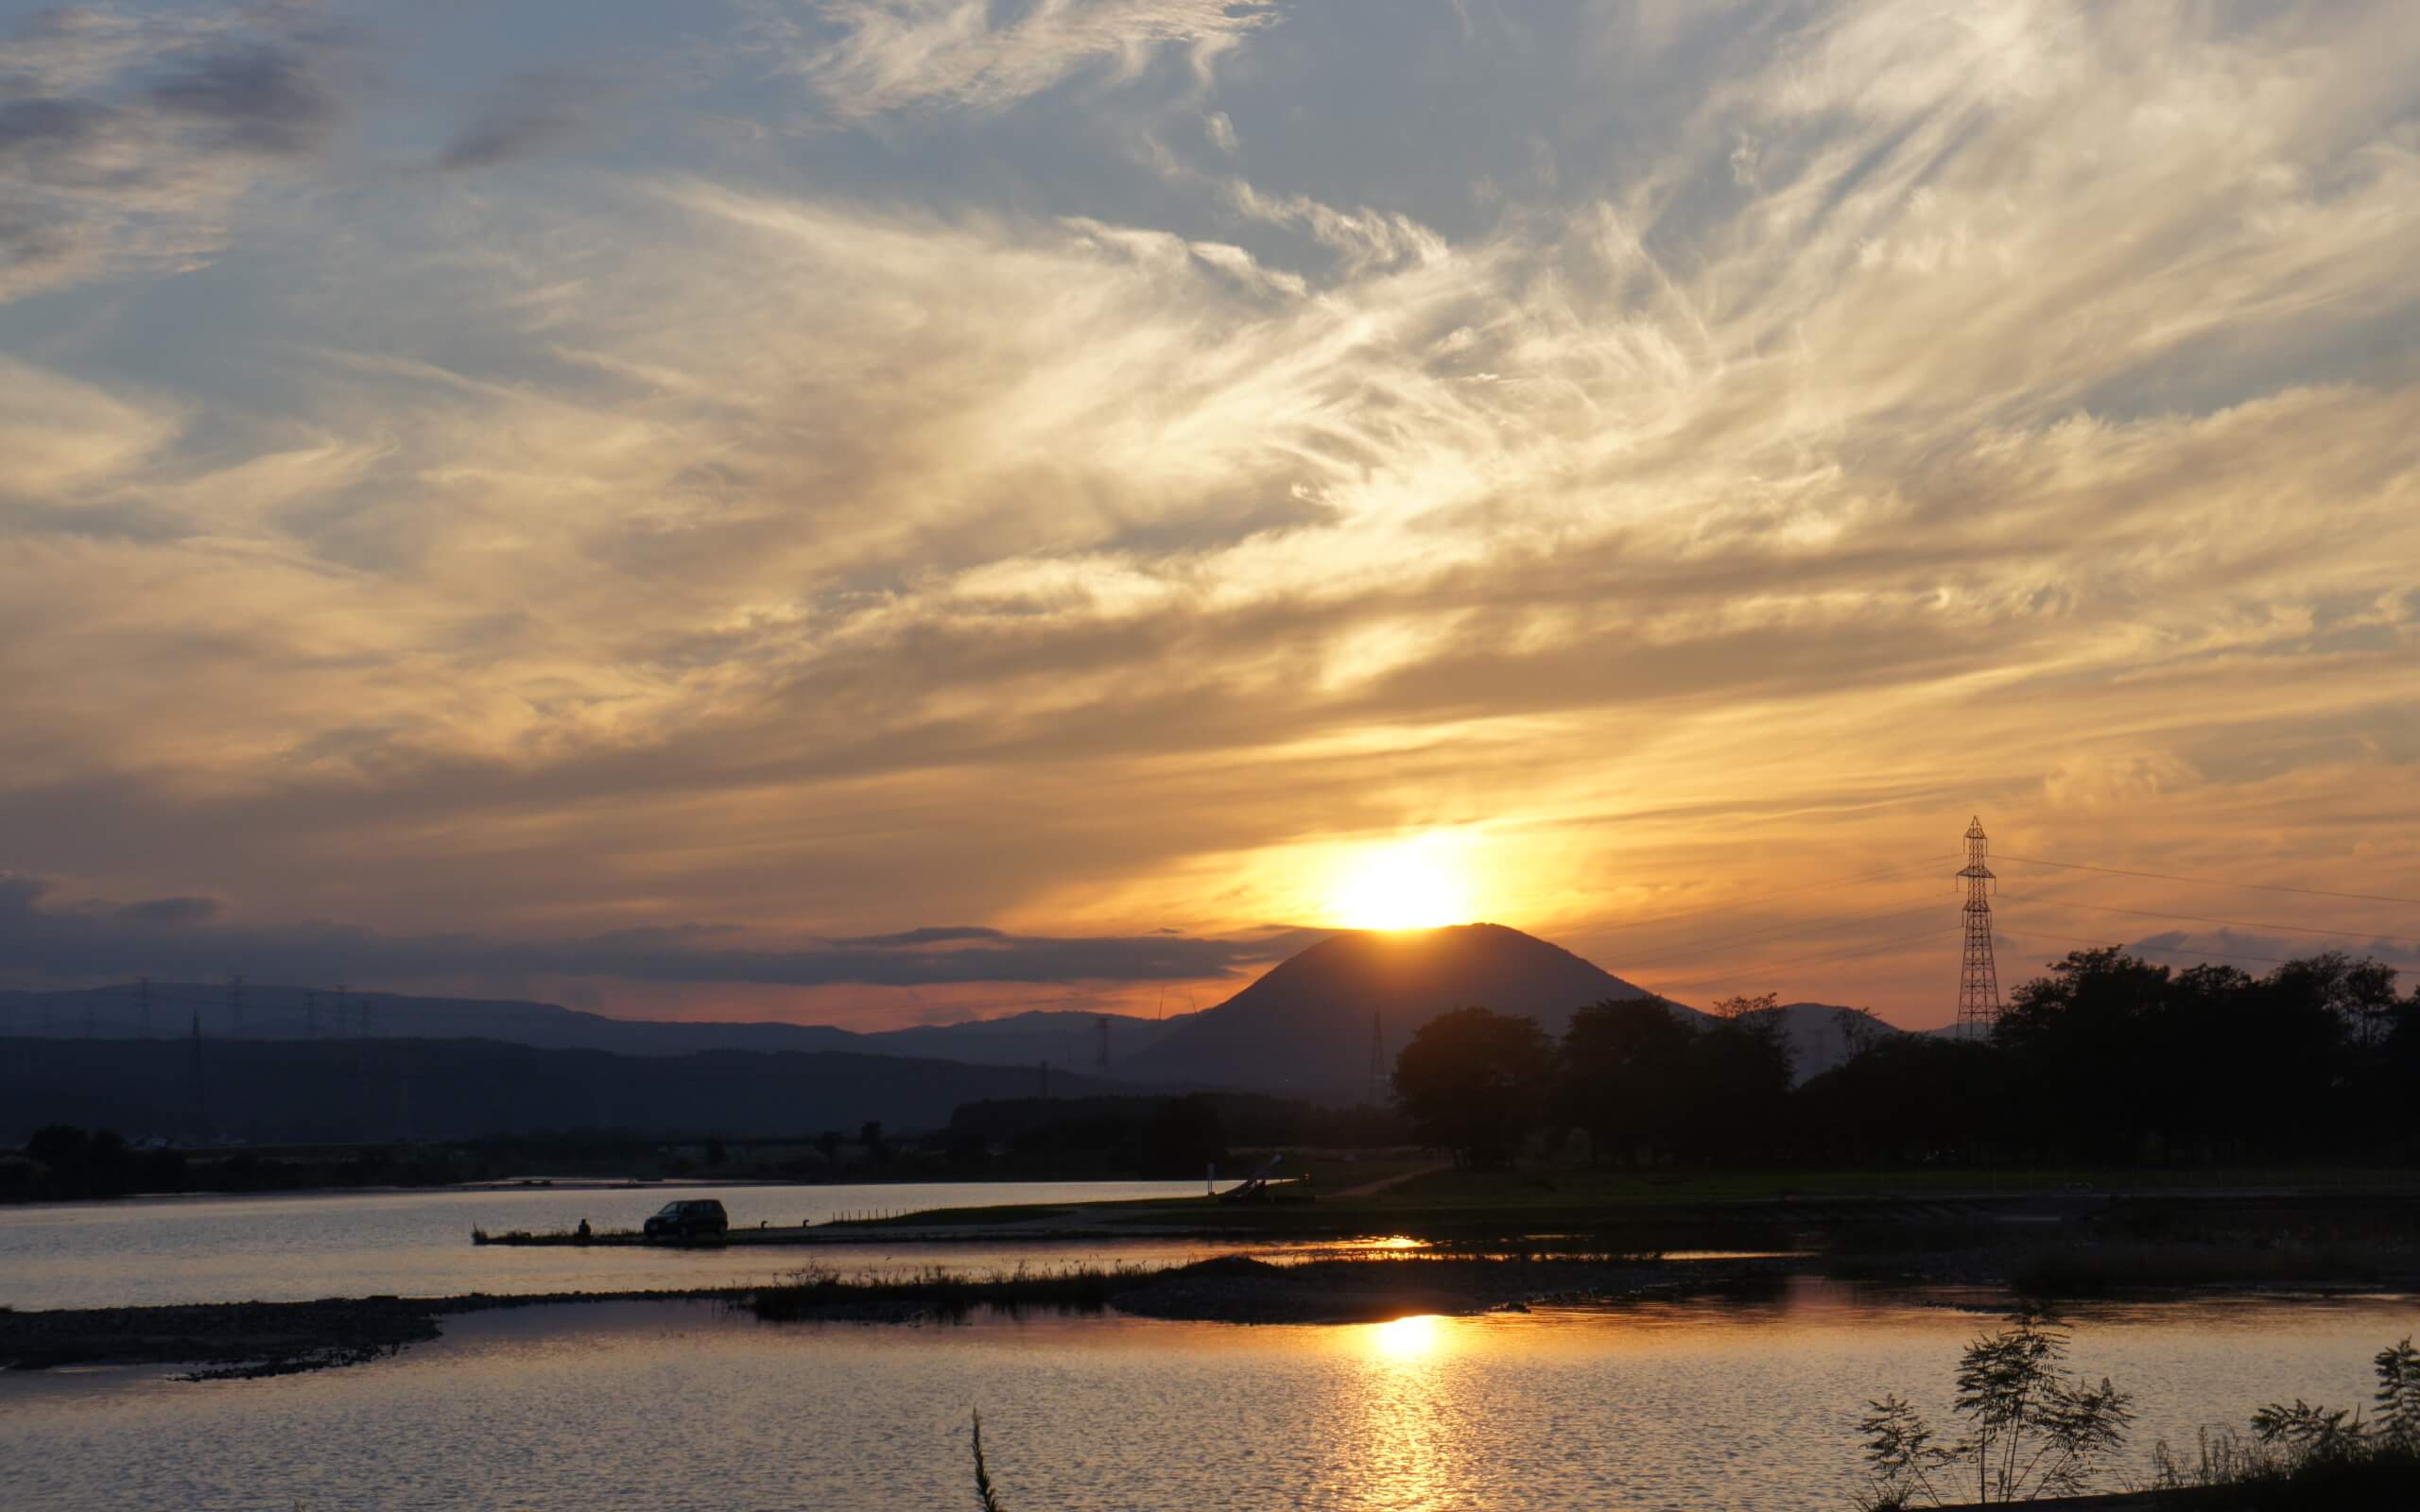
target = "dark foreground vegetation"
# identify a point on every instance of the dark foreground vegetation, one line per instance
(2106, 1061)
(2033, 1432)
(2030, 1430)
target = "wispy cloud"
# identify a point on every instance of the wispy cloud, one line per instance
(2022, 422)
(75, 938)
(128, 138)
(869, 56)
(533, 112)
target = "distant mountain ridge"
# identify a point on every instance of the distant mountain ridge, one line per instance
(1302, 1030)
(330, 1092)
(271, 1011)
(1823, 1035)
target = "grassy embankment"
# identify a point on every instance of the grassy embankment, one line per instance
(2051, 1232)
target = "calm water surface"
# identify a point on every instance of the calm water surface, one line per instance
(418, 1243)
(684, 1405)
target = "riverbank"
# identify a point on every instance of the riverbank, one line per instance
(251, 1339)
(2047, 1233)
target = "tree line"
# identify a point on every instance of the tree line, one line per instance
(2105, 1059)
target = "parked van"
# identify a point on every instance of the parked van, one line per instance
(692, 1218)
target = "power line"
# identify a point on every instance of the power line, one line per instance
(1754, 936)
(1734, 904)
(2158, 950)
(2199, 918)
(2215, 881)
(1807, 960)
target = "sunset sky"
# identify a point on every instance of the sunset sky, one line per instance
(883, 510)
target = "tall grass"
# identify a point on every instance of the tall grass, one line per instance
(817, 1290)
(989, 1498)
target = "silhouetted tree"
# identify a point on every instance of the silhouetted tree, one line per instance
(2394, 1087)
(59, 1146)
(2124, 1061)
(2080, 1041)
(1736, 1088)
(2360, 992)
(1747, 1008)
(1620, 1077)
(1905, 1099)
(78, 1164)
(1181, 1136)
(1475, 1082)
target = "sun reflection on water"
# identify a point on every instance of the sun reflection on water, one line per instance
(1406, 1338)
(1404, 1444)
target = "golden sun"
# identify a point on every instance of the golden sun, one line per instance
(1410, 884)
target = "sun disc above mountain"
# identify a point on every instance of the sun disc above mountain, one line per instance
(1418, 883)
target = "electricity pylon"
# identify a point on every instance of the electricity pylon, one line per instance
(1979, 980)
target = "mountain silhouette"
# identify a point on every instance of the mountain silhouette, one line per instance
(1825, 1034)
(1066, 1039)
(1304, 1029)
(342, 1090)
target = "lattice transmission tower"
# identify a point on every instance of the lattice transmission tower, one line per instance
(1979, 980)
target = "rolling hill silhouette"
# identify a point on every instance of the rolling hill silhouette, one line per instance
(340, 1091)
(1304, 1029)
(273, 1011)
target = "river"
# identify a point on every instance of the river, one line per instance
(284, 1249)
(1697, 1403)
(1681, 1404)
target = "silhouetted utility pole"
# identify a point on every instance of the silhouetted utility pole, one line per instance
(1979, 982)
(235, 1005)
(1046, 1080)
(1377, 1062)
(1100, 1058)
(341, 991)
(200, 1097)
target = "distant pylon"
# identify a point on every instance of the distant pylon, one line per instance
(1979, 980)
(1377, 1063)
(1100, 1058)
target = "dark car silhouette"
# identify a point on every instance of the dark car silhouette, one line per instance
(692, 1218)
